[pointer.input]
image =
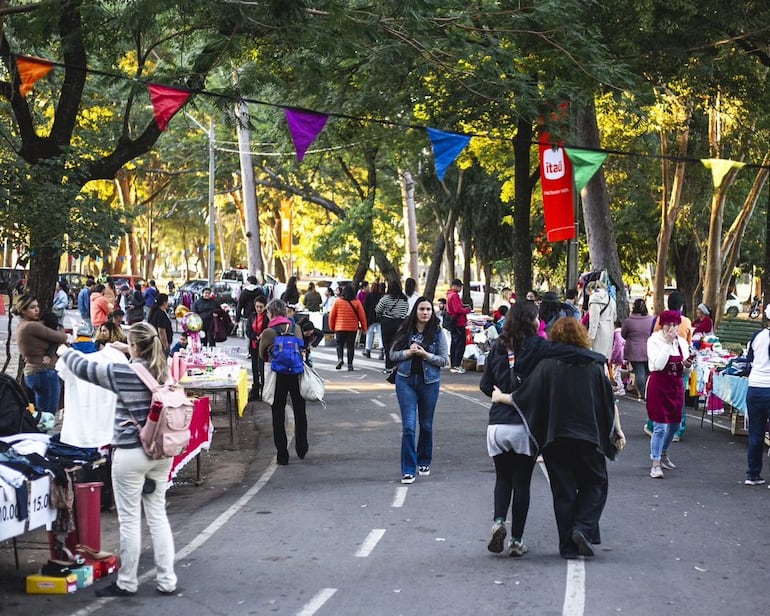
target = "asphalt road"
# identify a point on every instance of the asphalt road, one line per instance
(338, 534)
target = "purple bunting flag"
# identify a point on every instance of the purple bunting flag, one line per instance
(304, 127)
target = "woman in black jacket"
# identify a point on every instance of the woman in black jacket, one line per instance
(507, 440)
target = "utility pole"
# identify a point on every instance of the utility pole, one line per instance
(251, 213)
(212, 213)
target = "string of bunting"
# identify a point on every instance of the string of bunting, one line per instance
(306, 125)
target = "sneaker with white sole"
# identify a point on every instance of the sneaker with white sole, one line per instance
(424, 471)
(666, 462)
(647, 431)
(656, 472)
(677, 438)
(406, 478)
(497, 538)
(516, 547)
(754, 481)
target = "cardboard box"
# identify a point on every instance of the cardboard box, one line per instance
(85, 575)
(46, 585)
(104, 567)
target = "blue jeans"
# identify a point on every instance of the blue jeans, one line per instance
(373, 332)
(46, 387)
(758, 405)
(418, 403)
(662, 435)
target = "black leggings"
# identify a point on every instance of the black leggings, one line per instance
(346, 340)
(513, 474)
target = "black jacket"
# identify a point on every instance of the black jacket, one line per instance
(245, 307)
(497, 370)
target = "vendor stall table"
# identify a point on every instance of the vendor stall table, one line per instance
(233, 383)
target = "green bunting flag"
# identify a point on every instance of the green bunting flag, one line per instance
(719, 168)
(585, 163)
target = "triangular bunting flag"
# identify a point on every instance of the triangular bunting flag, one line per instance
(30, 71)
(304, 127)
(585, 163)
(166, 102)
(719, 168)
(446, 148)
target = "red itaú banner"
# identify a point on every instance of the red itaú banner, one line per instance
(556, 182)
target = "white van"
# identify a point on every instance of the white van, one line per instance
(477, 295)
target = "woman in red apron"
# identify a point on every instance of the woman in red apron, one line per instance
(669, 359)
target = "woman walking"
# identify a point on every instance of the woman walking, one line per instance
(572, 417)
(507, 440)
(392, 309)
(285, 385)
(346, 317)
(636, 331)
(158, 318)
(34, 339)
(138, 481)
(602, 313)
(257, 324)
(669, 359)
(419, 352)
(758, 402)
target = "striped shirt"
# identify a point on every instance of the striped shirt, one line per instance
(392, 307)
(133, 396)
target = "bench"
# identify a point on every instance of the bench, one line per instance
(734, 332)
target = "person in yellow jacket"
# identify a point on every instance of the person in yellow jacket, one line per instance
(346, 317)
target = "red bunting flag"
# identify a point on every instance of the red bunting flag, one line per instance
(556, 183)
(166, 102)
(30, 71)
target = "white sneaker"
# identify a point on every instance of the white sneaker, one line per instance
(656, 472)
(407, 478)
(424, 471)
(497, 538)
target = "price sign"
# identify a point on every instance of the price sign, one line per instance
(40, 511)
(9, 525)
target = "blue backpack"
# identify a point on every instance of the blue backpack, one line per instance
(286, 357)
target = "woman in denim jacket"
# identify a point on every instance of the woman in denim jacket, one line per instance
(419, 352)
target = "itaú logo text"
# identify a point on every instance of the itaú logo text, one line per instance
(553, 164)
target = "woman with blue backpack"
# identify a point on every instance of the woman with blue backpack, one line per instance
(281, 344)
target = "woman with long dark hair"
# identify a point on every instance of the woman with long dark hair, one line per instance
(636, 330)
(507, 440)
(159, 319)
(420, 351)
(392, 309)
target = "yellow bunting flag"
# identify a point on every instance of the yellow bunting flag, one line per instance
(30, 71)
(719, 168)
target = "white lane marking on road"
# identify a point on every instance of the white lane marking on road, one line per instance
(370, 542)
(395, 417)
(377, 402)
(201, 538)
(400, 497)
(574, 593)
(317, 602)
(353, 391)
(464, 397)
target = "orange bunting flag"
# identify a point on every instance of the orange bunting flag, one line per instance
(30, 71)
(166, 102)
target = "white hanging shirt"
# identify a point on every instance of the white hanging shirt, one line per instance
(89, 410)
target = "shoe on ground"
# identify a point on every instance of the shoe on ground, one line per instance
(656, 472)
(166, 593)
(338, 366)
(424, 471)
(516, 547)
(647, 431)
(497, 538)
(583, 545)
(385, 371)
(754, 481)
(666, 462)
(113, 590)
(457, 370)
(367, 353)
(677, 438)
(407, 478)
(350, 368)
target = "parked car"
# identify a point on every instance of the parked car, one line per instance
(125, 279)
(272, 286)
(75, 282)
(191, 288)
(477, 290)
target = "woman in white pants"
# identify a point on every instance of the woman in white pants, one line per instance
(137, 480)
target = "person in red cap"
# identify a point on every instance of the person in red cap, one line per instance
(669, 359)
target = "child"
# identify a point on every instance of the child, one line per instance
(617, 360)
(180, 344)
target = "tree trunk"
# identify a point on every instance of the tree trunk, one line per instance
(523, 185)
(434, 269)
(410, 223)
(44, 270)
(600, 230)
